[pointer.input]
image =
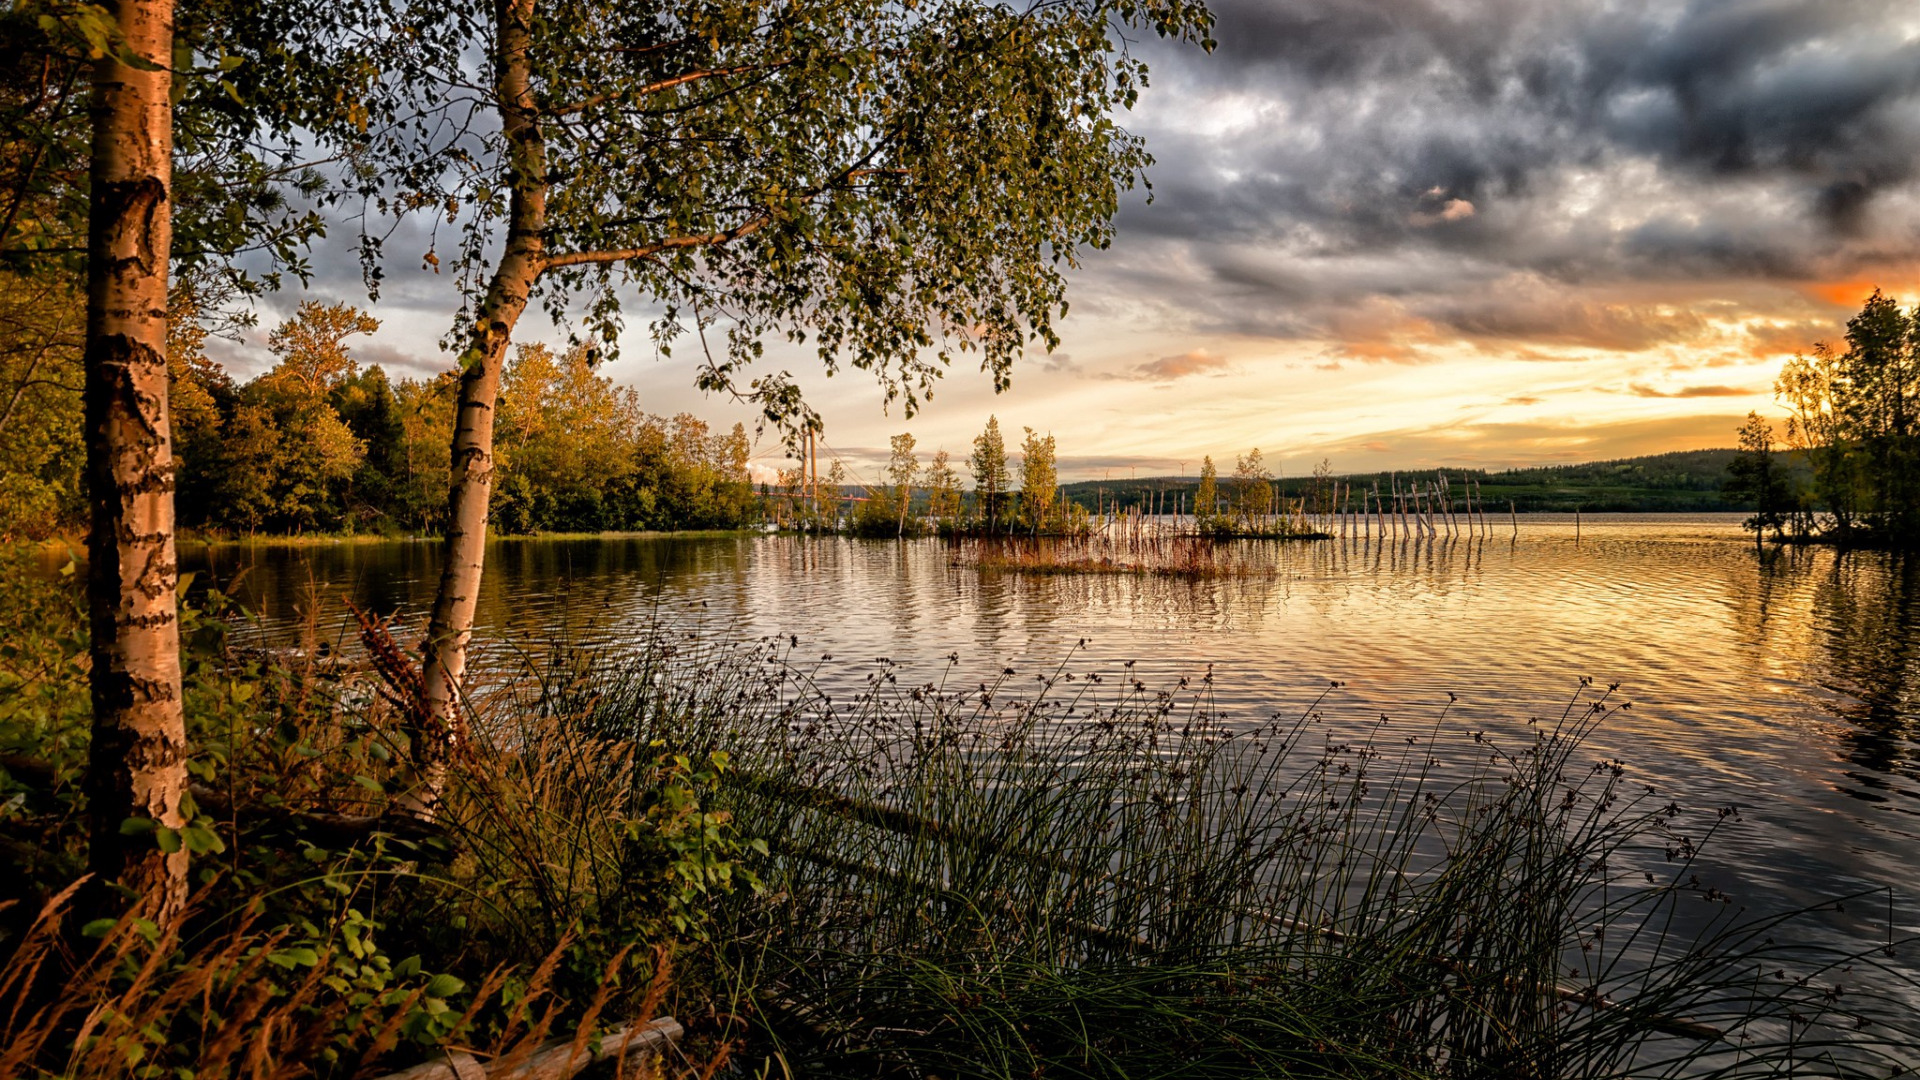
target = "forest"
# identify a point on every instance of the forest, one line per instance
(1683, 481)
(318, 444)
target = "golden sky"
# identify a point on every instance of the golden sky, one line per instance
(1405, 233)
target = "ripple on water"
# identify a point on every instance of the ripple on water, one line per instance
(1784, 683)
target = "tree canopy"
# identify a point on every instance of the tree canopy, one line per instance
(890, 184)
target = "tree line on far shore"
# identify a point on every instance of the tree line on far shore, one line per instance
(320, 444)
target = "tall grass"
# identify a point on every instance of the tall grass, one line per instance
(330, 932)
(1092, 877)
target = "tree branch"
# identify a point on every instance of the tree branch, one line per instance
(674, 243)
(657, 87)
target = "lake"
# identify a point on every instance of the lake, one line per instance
(1784, 683)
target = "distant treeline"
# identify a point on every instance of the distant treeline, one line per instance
(1691, 481)
(320, 444)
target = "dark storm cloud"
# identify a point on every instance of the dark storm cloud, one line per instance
(1418, 151)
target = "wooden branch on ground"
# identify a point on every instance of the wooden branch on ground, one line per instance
(624, 1046)
(332, 827)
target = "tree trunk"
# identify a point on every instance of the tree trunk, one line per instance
(137, 760)
(471, 486)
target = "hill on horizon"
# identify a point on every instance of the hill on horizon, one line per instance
(1677, 481)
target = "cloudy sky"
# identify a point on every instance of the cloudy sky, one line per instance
(1399, 233)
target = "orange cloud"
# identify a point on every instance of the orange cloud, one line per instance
(1778, 340)
(1847, 294)
(1900, 281)
(1191, 362)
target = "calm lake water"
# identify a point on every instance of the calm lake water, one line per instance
(1787, 684)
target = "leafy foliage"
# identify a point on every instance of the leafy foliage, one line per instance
(894, 184)
(328, 931)
(990, 475)
(1855, 416)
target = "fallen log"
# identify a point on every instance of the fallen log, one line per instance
(623, 1047)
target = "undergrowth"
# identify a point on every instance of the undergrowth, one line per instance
(331, 931)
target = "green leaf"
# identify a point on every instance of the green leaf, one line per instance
(138, 826)
(203, 841)
(444, 986)
(298, 956)
(98, 928)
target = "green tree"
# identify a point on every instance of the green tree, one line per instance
(894, 183)
(201, 399)
(1206, 500)
(1809, 386)
(902, 469)
(1755, 476)
(1039, 481)
(1878, 394)
(41, 444)
(990, 476)
(367, 404)
(943, 491)
(1856, 417)
(1252, 490)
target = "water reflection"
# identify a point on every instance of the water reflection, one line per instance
(1782, 682)
(1866, 607)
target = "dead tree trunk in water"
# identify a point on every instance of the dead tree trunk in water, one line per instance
(471, 486)
(136, 767)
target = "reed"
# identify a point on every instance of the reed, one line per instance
(1147, 553)
(1073, 873)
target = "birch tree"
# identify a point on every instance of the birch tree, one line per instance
(1039, 478)
(136, 775)
(887, 185)
(902, 469)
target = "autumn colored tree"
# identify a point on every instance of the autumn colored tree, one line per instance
(1039, 481)
(903, 467)
(990, 475)
(317, 452)
(566, 437)
(943, 491)
(1252, 490)
(1206, 500)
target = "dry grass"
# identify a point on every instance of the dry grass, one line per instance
(1148, 554)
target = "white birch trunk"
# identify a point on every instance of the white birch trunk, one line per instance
(137, 759)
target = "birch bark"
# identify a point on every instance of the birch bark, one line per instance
(441, 729)
(137, 758)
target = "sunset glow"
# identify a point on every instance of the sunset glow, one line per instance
(1393, 237)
